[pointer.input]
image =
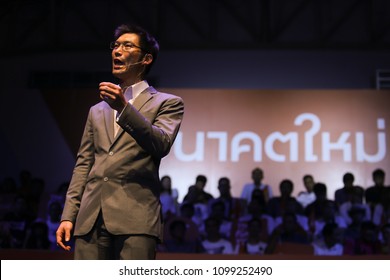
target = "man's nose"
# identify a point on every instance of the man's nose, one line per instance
(117, 51)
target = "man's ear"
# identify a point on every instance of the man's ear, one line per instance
(148, 58)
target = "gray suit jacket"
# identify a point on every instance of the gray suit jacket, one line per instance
(120, 175)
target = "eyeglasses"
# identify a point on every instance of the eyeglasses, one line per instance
(126, 46)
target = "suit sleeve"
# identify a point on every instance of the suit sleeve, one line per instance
(154, 136)
(84, 162)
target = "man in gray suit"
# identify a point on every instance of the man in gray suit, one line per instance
(112, 205)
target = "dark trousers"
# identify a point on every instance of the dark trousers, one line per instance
(99, 244)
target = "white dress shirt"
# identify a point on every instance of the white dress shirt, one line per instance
(131, 93)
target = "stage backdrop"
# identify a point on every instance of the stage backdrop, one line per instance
(287, 133)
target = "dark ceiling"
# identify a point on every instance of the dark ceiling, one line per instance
(34, 26)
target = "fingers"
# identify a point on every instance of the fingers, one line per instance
(60, 242)
(110, 88)
(67, 235)
(113, 95)
(63, 246)
(108, 84)
(109, 92)
(64, 231)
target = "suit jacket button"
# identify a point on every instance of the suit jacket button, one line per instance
(105, 179)
(111, 153)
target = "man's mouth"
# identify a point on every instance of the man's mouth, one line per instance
(117, 63)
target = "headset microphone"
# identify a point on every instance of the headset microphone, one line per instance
(139, 62)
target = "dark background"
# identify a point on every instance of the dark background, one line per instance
(51, 49)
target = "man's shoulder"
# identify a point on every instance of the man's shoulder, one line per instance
(303, 194)
(359, 188)
(340, 190)
(163, 94)
(248, 185)
(100, 106)
(209, 195)
(370, 189)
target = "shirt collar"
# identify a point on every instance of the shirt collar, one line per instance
(134, 90)
(139, 87)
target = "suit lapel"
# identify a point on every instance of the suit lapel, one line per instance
(138, 103)
(109, 121)
(143, 97)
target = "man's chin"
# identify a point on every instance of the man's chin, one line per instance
(118, 74)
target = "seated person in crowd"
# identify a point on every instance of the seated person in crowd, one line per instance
(308, 196)
(385, 234)
(234, 207)
(288, 232)
(357, 216)
(38, 236)
(374, 193)
(255, 243)
(53, 219)
(187, 211)
(367, 243)
(168, 198)
(8, 192)
(19, 219)
(295, 208)
(354, 202)
(381, 215)
(214, 243)
(199, 197)
(255, 210)
(349, 190)
(196, 193)
(329, 242)
(217, 211)
(257, 178)
(276, 206)
(5, 235)
(329, 215)
(315, 210)
(178, 239)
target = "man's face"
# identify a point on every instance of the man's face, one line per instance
(379, 180)
(224, 187)
(126, 63)
(309, 183)
(257, 175)
(200, 185)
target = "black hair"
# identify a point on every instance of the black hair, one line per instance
(378, 173)
(148, 43)
(201, 178)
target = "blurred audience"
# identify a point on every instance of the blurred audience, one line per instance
(19, 218)
(308, 196)
(330, 242)
(349, 191)
(257, 183)
(277, 205)
(178, 240)
(357, 222)
(366, 243)
(213, 242)
(374, 193)
(38, 236)
(234, 207)
(254, 243)
(289, 231)
(198, 197)
(168, 198)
